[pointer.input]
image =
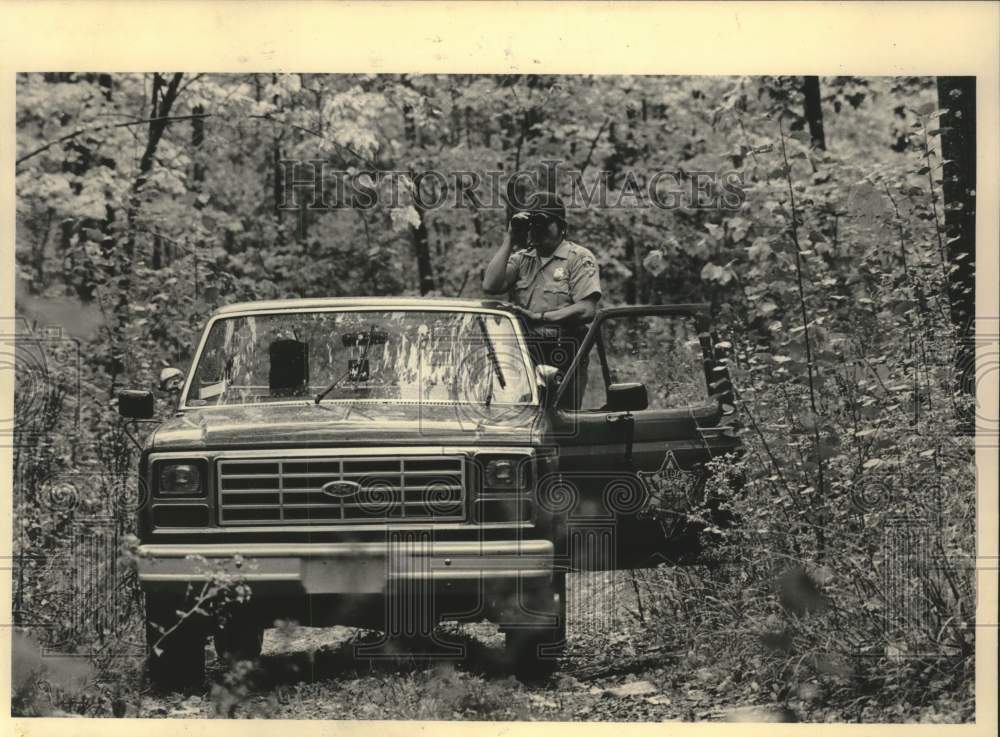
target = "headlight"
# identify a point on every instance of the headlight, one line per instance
(504, 474)
(180, 478)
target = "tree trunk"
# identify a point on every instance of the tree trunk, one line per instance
(277, 180)
(958, 148)
(163, 100)
(632, 281)
(421, 245)
(105, 82)
(163, 96)
(957, 95)
(197, 181)
(814, 112)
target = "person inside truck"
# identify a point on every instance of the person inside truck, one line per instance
(554, 284)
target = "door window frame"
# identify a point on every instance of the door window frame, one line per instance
(714, 368)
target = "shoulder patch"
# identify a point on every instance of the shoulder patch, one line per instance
(586, 263)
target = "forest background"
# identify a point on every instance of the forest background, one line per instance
(842, 284)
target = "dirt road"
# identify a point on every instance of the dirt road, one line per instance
(613, 670)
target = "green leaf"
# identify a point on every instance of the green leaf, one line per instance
(759, 249)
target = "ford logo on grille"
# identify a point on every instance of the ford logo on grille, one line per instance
(341, 489)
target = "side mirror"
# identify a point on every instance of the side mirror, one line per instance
(631, 397)
(135, 404)
(548, 378)
(171, 380)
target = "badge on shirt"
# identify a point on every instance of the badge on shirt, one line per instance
(559, 274)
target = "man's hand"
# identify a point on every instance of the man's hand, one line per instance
(526, 314)
(519, 221)
(518, 228)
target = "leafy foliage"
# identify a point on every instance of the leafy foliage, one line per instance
(150, 200)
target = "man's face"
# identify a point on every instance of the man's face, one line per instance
(543, 231)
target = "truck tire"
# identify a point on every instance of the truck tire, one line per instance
(533, 652)
(175, 661)
(240, 639)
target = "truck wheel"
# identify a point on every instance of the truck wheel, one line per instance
(239, 639)
(534, 651)
(175, 661)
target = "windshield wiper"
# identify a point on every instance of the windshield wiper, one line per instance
(336, 382)
(494, 361)
(333, 385)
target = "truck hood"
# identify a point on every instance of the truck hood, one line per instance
(328, 424)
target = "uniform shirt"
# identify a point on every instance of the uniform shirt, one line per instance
(566, 277)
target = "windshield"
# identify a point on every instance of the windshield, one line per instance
(395, 356)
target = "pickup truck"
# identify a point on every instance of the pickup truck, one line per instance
(392, 463)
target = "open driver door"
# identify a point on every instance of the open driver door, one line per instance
(653, 404)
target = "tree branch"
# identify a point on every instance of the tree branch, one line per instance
(593, 144)
(169, 119)
(794, 232)
(68, 137)
(303, 129)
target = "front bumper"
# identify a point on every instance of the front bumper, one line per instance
(343, 568)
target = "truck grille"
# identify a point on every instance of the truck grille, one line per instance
(359, 490)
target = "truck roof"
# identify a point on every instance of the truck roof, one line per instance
(315, 303)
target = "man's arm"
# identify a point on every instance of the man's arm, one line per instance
(499, 275)
(585, 290)
(495, 277)
(571, 315)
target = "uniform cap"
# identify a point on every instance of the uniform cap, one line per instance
(548, 203)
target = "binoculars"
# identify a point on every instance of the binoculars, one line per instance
(520, 226)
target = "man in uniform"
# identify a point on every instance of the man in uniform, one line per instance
(554, 283)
